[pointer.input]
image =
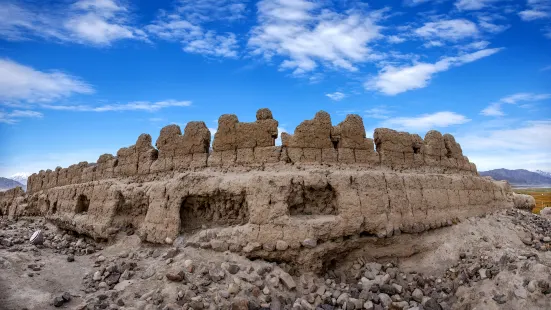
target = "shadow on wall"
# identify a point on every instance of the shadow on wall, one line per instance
(217, 209)
(83, 203)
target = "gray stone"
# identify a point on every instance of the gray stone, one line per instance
(368, 305)
(287, 280)
(417, 295)
(310, 243)
(385, 299)
(233, 268)
(531, 287)
(281, 245)
(521, 293)
(66, 296)
(58, 301)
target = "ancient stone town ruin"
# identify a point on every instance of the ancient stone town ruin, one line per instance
(323, 192)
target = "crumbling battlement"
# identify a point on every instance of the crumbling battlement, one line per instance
(316, 196)
(10, 199)
(238, 144)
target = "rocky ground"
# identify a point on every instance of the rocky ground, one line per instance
(500, 261)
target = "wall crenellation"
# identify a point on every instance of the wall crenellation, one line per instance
(236, 143)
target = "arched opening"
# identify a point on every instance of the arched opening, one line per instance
(54, 208)
(82, 204)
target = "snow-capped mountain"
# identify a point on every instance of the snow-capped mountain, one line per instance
(544, 173)
(21, 177)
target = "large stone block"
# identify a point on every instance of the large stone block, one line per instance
(346, 156)
(311, 155)
(225, 138)
(329, 156)
(245, 156)
(267, 155)
(295, 154)
(350, 134)
(315, 133)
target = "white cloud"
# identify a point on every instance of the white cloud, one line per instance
(487, 23)
(526, 146)
(131, 106)
(536, 9)
(14, 116)
(187, 26)
(426, 121)
(380, 112)
(478, 45)
(529, 15)
(452, 30)
(336, 96)
(415, 2)
(495, 108)
(472, 5)
(213, 44)
(395, 39)
(20, 82)
(304, 35)
(19, 23)
(201, 11)
(101, 22)
(279, 131)
(431, 43)
(393, 80)
(525, 97)
(94, 22)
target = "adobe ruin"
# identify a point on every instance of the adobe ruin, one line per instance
(324, 191)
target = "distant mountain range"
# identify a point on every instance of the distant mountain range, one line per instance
(544, 173)
(519, 176)
(20, 177)
(6, 184)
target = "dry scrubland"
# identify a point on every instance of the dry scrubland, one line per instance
(542, 196)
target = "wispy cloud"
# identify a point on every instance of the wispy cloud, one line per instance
(380, 112)
(336, 96)
(488, 23)
(495, 108)
(188, 24)
(529, 15)
(536, 9)
(19, 82)
(473, 5)
(131, 106)
(304, 34)
(393, 80)
(15, 116)
(426, 121)
(91, 22)
(527, 145)
(451, 30)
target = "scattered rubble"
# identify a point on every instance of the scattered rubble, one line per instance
(131, 275)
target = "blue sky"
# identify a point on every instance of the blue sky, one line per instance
(83, 78)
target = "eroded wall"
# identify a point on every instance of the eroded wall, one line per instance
(236, 143)
(294, 202)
